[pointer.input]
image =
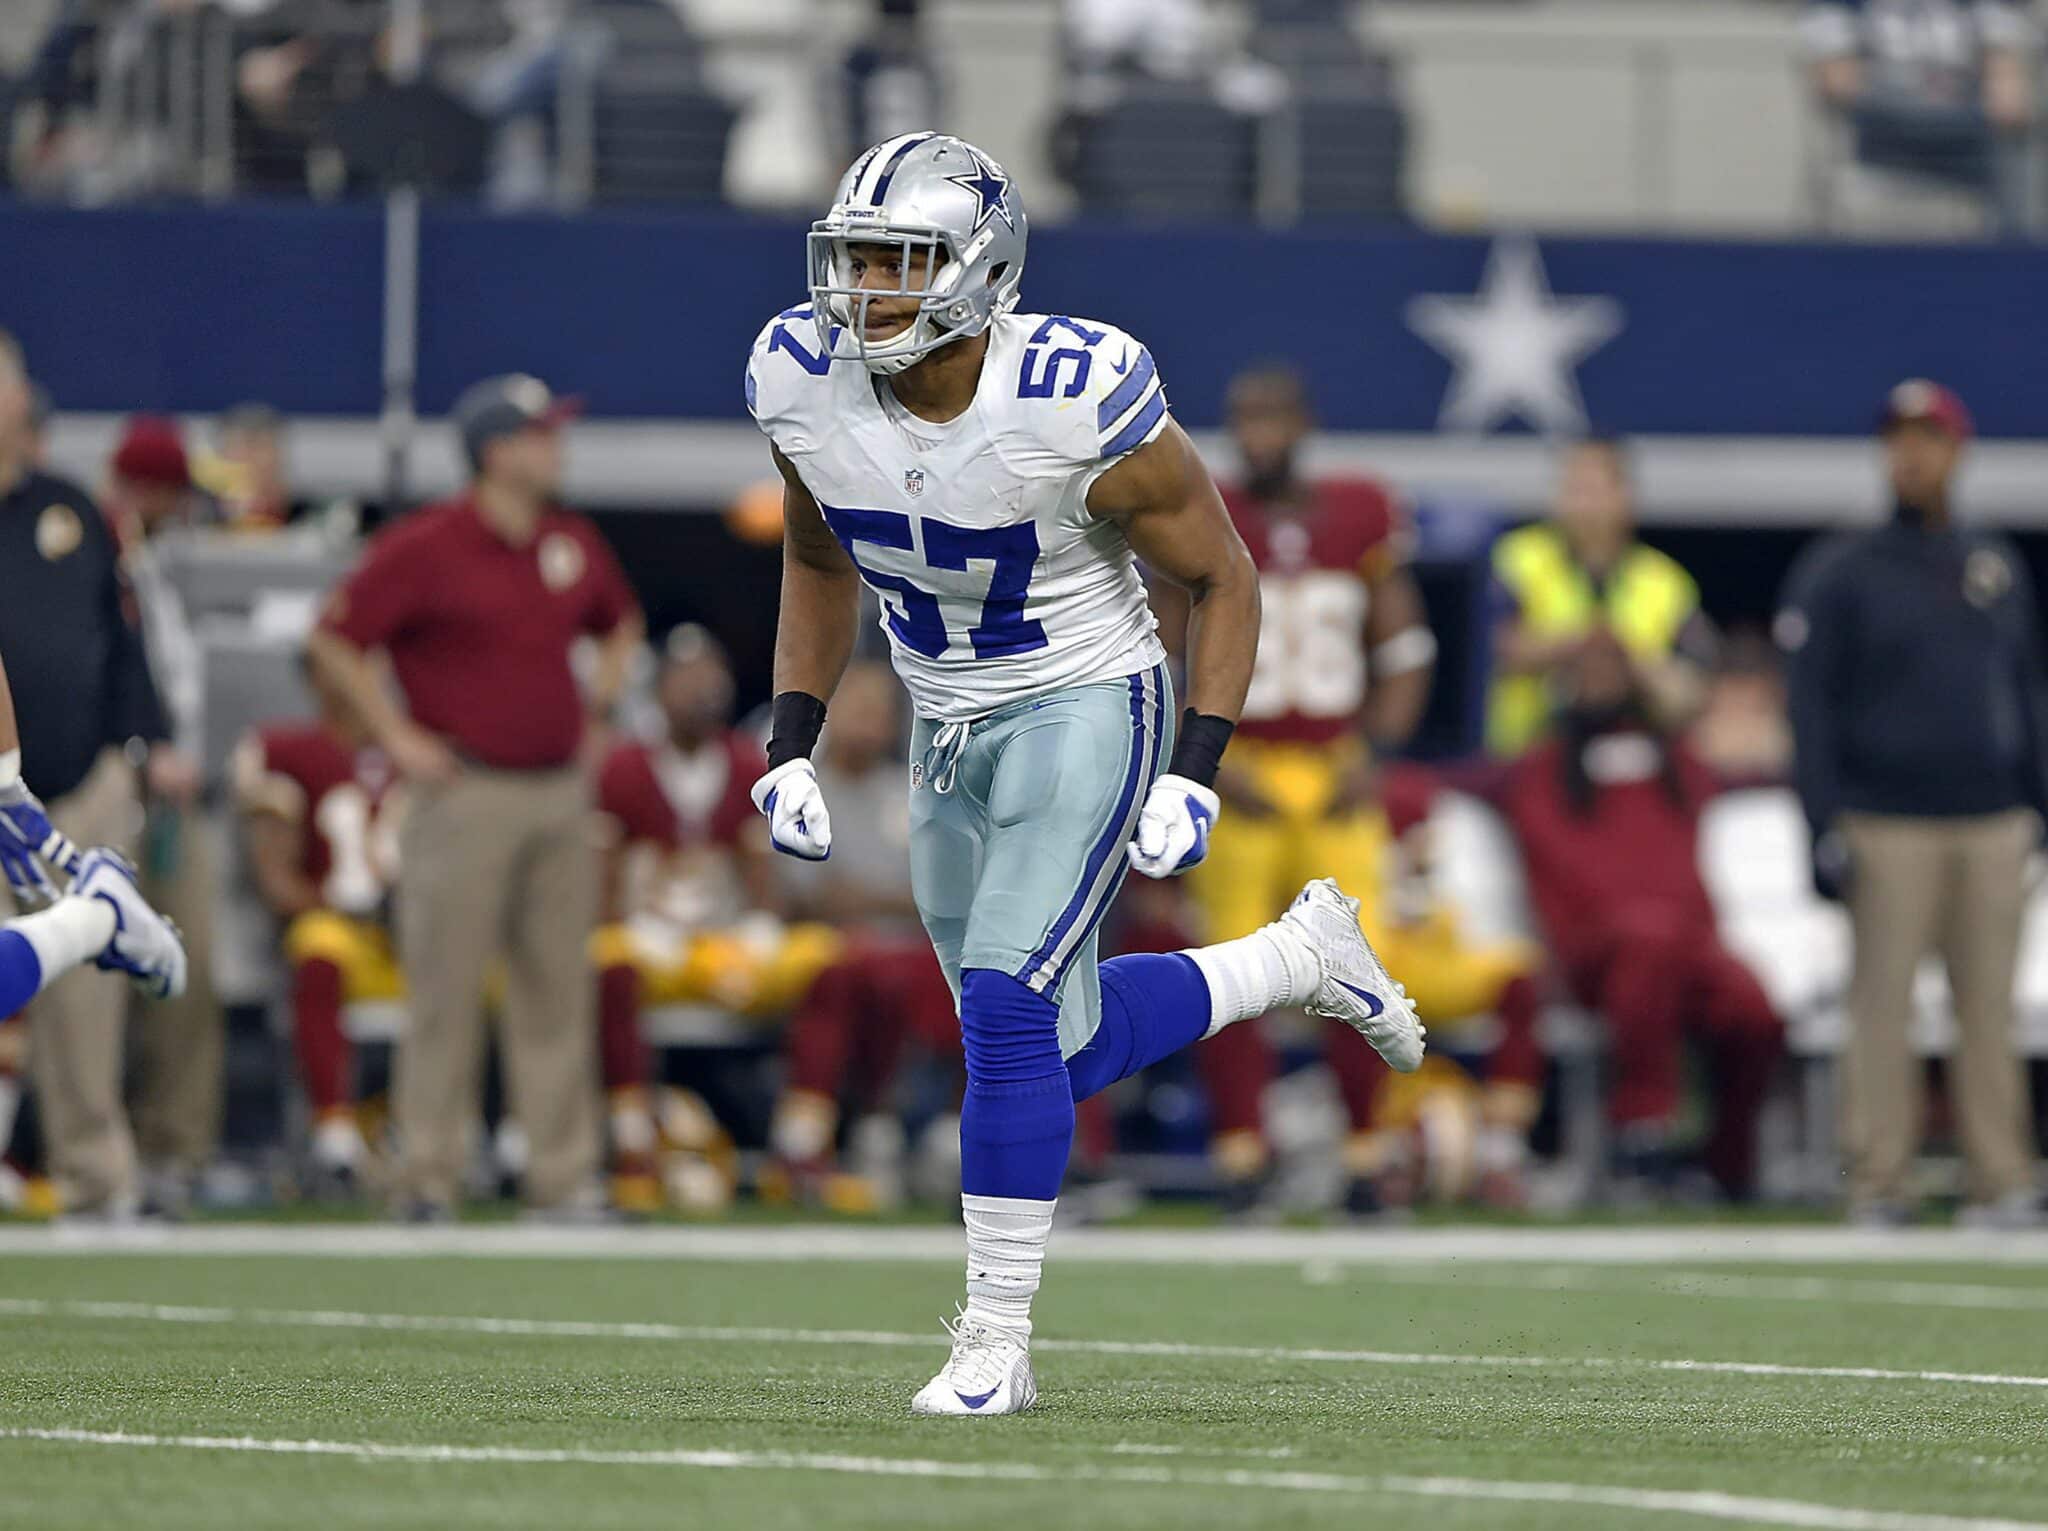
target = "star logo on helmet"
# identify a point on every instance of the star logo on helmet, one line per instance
(991, 188)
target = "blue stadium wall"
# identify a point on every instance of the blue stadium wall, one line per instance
(649, 316)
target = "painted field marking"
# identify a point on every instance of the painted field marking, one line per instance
(290, 1318)
(1707, 1505)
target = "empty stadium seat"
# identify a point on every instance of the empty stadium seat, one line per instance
(1165, 150)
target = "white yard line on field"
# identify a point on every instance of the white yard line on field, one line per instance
(1774, 1245)
(1827, 1289)
(434, 1323)
(1705, 1505)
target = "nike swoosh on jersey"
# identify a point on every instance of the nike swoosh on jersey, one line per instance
(1378, 1007)
(1125, 365)
(977, 1400)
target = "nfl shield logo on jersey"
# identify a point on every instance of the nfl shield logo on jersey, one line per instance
(913, 482)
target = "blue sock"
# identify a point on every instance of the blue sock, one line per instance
(1017, 1120)
(1152, 1007)
(21, 972)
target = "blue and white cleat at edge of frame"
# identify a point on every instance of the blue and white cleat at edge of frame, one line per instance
(1356, 989)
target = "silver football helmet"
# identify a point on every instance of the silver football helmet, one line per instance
(956, 217)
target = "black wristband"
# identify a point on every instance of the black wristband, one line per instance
(794, 720)
(1199, 749)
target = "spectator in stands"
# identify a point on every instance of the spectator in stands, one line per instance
(693, 905)
(1920, 715)
(1937, 98)
(1581, 577)
(477, 602)
(150, 499)
(82, 690)
(321, 823)
(1607, 817)
(891, 79)
(886, 997)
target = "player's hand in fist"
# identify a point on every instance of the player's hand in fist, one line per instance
(797, 821)
(145, 946)
(1173, 828)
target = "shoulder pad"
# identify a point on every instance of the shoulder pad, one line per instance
(783, 371)
(1103, 389)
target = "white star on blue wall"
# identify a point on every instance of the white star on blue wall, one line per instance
(1514, 346)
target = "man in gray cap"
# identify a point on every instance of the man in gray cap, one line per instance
(477, 602)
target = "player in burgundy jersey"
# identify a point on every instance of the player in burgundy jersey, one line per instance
(322, 816)
(1342, 676)
(692, 902)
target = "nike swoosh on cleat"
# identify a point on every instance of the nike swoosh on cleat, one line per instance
(977, 1401)
(1378, 1008)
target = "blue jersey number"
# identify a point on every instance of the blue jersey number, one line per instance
(914, 616)
(1039, 375)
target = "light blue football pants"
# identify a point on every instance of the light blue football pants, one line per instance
(1018, 824)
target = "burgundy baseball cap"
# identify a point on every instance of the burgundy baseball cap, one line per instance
(152, 451)
(1917, 399)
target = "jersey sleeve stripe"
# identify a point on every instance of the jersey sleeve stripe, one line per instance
(1126, 393)
(1142, 427)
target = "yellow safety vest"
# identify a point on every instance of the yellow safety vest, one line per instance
(1648, 600)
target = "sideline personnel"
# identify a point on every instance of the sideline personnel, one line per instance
(1917, 700)
(83, 690)
(477, 602)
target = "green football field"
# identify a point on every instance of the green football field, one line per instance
(1191, 1381)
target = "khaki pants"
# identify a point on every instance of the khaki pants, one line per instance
(498, 863)
(1954, 887)
(179, 1043)
(76, 1025)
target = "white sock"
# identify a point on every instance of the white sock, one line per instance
(1005, 1251)
(1265, 970)
(71, 931)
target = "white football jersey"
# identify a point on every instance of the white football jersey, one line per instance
(996, 583)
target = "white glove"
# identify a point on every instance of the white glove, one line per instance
(1173, 828)
(29, 847)
(146, 946)
(797, 821)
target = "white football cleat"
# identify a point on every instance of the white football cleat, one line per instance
(988, 1373)
(145, 945)
(1356, 987)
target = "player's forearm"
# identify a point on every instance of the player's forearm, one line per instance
(10, 736)
(1675, 688)
(349, 670)
(1394, 708)
(815, 629)
(1223, 640)
(615, 663)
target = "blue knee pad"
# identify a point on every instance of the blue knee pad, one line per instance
(1017, 1120)
(1152, 1007)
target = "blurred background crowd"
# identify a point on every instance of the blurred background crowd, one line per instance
(447, 783)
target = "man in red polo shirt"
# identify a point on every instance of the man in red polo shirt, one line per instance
(477, 602)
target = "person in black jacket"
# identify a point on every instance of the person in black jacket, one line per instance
(83, 692)
(1918, 704)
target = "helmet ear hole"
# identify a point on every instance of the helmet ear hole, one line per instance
(995, 274)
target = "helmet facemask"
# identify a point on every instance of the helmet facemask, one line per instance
(932, 265)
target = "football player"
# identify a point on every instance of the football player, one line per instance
(686, 852)
(101, 917)
(1342, 676)
(995, 476)
(322, 811)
